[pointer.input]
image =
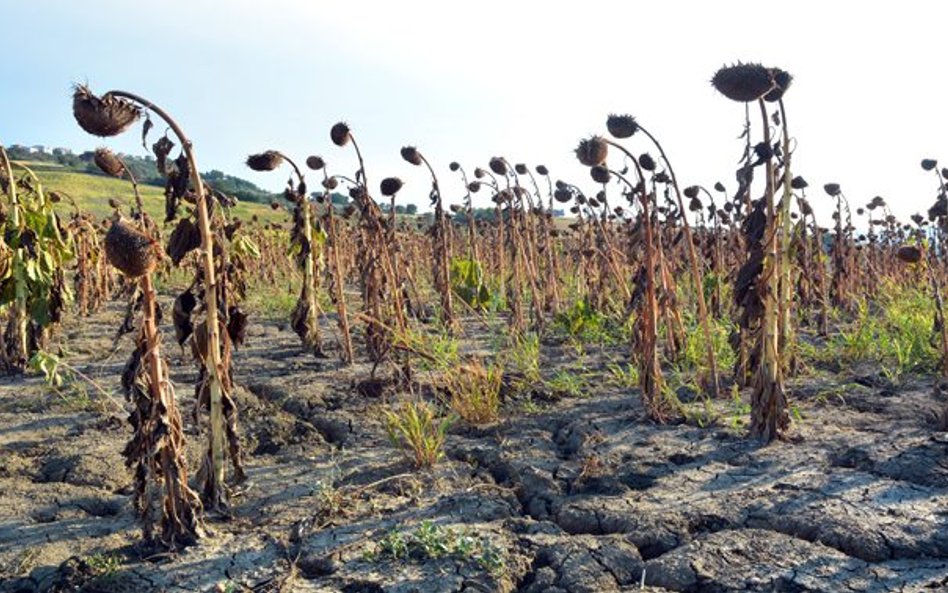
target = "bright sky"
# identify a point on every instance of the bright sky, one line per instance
(467, 81)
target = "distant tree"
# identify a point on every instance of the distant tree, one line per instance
(411, 209)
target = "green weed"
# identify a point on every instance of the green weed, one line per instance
(431, 542)
(414, 428)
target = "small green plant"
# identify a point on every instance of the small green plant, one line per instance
(329, 500)
(567, 383)
(227, 586)
(624, 376)
(530, 406)
(70, 384)
(431, 542)
(437, 351)
(105, 567)
(434, 541)
(394, 544)
(739, 411)
(414, 427)
(835, 393)
(893, 332)
(491, 558)
(474, 391)
(523, 353)
(694, 353)
(702, 415)
(467, 282)
(581, 321)
(796, 413)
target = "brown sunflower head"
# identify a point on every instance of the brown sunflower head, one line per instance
(105, 116)
(131, 251)
(340, 134)
(621, 126)
(316, 163)
(592, 151)
(798, 183)
(265, 161)
(411, 154)
(600, 174)
(498, 165)
(391, 186)
(108, 163)
(647, 162)
(743, 82)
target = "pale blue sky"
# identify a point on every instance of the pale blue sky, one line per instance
(466, 81)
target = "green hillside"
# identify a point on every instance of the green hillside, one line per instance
(92, 193)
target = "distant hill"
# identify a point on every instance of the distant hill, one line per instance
(142, 167)
(92, 192)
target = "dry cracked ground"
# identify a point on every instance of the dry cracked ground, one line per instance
(570, 494)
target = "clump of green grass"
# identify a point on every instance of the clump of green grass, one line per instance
(583, 324)
(694, 353)
(271, 302)
(623, 375)
(894, 331)
(739, 410)
(567, 383)
(414, 427)
(474, 391)
(438, 351)
(104, 567)
(523, 355)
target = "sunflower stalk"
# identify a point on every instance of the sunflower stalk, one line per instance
(786, 271)
(215, 491)
(338, 276)
(769, 415)
(697, 277)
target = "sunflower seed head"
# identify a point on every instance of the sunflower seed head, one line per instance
(411, 154)
(743, 82)
(105, 116)
(265, 161)
(592, 151)
(340, 134)
(391, 186)
(622, 126)
(108, 163)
